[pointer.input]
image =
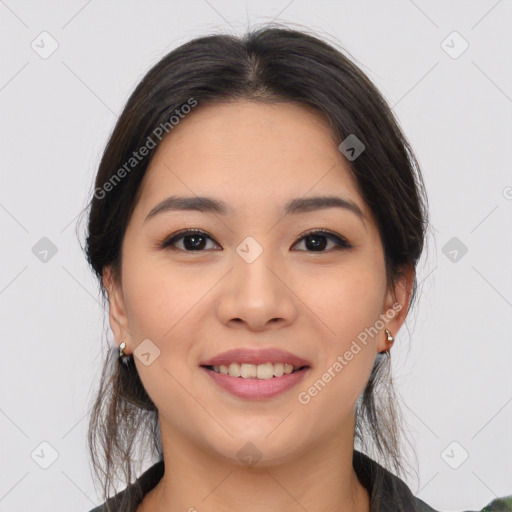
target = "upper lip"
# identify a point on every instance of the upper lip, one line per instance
(256, 356)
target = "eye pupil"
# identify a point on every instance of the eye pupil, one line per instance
(198, 242)
(319, 242)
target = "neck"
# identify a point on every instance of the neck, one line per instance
(321, 479)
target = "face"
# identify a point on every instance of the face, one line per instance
(253, 278)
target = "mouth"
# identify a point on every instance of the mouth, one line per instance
(256, 374)
(255, 382)
(263, 371)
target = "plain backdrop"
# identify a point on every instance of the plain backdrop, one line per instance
(444, 66)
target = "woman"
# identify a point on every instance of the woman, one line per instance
(255, 226)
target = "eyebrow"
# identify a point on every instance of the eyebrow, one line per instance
(294, 206)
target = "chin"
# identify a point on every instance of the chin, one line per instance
(258, 449)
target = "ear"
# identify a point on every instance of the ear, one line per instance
(117, 311)
(396, 306)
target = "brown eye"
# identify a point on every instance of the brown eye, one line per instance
(193, 240)
(316, 241)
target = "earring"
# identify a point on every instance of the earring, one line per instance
(124, 358)
(390, 340)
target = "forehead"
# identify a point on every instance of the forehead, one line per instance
(250, 153)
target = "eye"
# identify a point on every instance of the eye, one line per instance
(193, 240)
(317, 240)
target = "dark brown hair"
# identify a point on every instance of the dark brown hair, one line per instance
(271, 63)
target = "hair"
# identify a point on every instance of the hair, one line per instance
(268, 64)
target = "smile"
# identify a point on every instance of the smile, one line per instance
(261, 385)
(252, 371)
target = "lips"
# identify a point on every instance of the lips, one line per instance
(257, 357)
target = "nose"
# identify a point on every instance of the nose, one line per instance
(257, 296)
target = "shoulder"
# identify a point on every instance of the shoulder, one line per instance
(503, 504)
(388, 493)
(129, 499)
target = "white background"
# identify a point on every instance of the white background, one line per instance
(452, 361)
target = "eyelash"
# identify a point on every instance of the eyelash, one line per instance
(341, 243)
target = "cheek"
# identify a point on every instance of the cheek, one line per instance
(348, 303)
(347, 300)
(165, 304)
(160, 296)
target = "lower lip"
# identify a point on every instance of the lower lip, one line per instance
(256, 389)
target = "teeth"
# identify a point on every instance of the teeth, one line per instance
(234, 370)
(265, 371)
(251, 371)
(248, 371)
(278, 370)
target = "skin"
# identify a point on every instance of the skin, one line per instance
(194, 305)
